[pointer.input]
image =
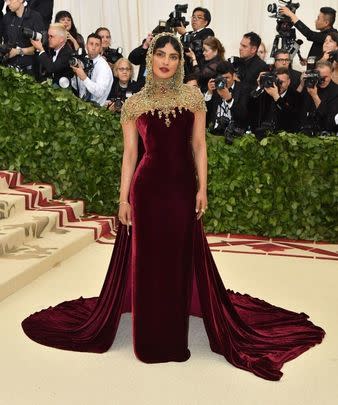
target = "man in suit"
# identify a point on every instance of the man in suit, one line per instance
(282, 60)
(279, 106)
(324, 24)
(200, 20)
(226, 101)
(320, 102)
(54, 62)
(45, 8)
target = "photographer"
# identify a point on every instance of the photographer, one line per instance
(250, 64)
(226, 101)
(74, 39)
(279, 103)
(123, 86)
(138, 57)
(200, 20)
(21, 54)
(330, 53)
(111, 55)
(283, 60)
(319, 99)
(95, 83)
(55, 62)
(213, 52)
(324, 24)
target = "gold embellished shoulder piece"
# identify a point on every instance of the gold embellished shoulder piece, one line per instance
(165, 103)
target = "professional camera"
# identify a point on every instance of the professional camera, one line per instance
(188, 41)
(231, 132)
(273, 8)
(35, 35)
(77, 60)
(113, 55)
(236, 62)
(4, 53)
(176, 19)
(333, 56)
(162, 27)
(266, 80)
(220, 82)
(312, 79)
(118, 103)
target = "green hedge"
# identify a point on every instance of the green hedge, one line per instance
(286, 185)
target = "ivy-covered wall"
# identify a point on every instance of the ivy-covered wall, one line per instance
(286, 185)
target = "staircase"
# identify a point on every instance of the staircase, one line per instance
(37, 232)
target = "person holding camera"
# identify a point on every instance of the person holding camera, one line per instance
(213, 52)
(227, 103)
(95, 83)
(111, 55)
(20, 16)
(54, 62)
(200, 20)
(319, 99)
(330, 53)
(279, 103)
(283, 60)
(123, 86)
(138, 57)
(324, 24)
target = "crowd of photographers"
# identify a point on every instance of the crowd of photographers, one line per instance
(246, 93)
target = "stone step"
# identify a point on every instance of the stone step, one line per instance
(11, 205)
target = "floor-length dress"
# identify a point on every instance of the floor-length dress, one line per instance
(165, 272)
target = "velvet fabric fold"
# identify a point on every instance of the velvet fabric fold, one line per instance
(164, 272)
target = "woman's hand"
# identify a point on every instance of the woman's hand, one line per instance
(191, 54)
(125, 214)
(201, 204)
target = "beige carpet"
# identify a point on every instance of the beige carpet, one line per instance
(32, 374)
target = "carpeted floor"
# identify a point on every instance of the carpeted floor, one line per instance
(36, 375)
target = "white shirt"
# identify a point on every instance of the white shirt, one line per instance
(99, 84)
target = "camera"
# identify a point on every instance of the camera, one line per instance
(113, 55)
(268, 79)
(188, 41)
(333, 56)
(312, 79)
(118, 103)
(220, 82)
(273, 9)
(231, 132)
(76, 60)
(236, 62)
(4, 53)
(176, 19)
(35, 35)
(162, 27)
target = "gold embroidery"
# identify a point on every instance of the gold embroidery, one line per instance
(163, 96)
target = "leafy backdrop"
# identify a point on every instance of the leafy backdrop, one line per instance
(284, 186)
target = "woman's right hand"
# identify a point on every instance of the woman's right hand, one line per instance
(125, 213)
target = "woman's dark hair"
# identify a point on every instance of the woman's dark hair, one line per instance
(64, 13)
(168, 39)
(206, 12)
(334, 36)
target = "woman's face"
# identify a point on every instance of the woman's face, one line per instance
(124, 72)
(329, 44)
(208, 52)
(165, 62)
(66, 22)
(261, 52)
(106, 38)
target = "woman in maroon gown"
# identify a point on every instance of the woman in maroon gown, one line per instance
(164, 271)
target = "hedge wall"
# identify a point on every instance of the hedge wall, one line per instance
(283, 186)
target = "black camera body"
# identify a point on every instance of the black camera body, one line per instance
(176, 18)
(113, 55)
(273, 9)
(333, 56)
(312, 79)
(196, 45)
(4, 53)
(268, 79)
(118, 103)
(220, 82)
(76, 60)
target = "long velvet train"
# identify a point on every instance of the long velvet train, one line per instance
(250, 333)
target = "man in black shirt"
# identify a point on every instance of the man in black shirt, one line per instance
(282, 60)
(320, 102)
(20, 16)
(324, 24)
(45, 8)
(250, 64)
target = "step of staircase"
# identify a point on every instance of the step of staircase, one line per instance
(37, 232)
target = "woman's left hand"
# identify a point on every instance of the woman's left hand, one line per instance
(201, 204)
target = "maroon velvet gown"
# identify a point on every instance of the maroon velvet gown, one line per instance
(165, 272)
